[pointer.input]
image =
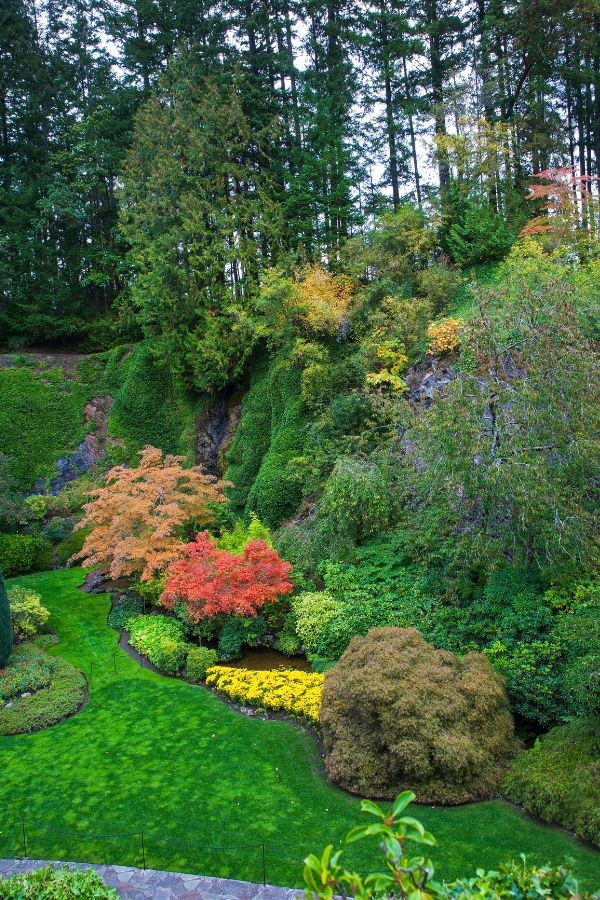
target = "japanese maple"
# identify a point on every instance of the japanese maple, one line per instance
(210, 581)
(136, 518)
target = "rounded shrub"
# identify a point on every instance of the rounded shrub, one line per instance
(312, 612)
(558, 780)
(199, 659)
(5, 624)
(23, 553)
(396, 713)
(161, 639)
(356, 504)
(27, 613)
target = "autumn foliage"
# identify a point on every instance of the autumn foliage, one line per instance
(210, 581)
(444, 336)
(323, 299)
(136, 517)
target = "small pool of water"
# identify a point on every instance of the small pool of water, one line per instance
(269, 659)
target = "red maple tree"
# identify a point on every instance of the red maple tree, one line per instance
(210, 581)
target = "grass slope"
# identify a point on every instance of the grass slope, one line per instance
(157, 755)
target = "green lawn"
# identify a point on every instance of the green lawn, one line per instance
(155, 755)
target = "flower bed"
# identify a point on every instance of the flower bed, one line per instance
(25, 675)
(290, 691)
(56, 690)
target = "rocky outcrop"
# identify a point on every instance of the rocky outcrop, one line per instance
(428, 378)
(215, 428)
(92, 448)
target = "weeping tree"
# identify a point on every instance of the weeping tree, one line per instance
(5, 624)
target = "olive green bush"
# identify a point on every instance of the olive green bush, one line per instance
(5, 624)
(27, 613)
(396, 713)
(356, 502)
(559, 778)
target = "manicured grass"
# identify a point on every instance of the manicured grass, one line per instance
(155, 755)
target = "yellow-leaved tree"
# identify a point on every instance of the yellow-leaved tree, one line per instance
(323, 299)
(136, 519)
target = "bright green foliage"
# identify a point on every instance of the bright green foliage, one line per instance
(199, 659)
(312, 612)
(27, 613)
(6, 638)
(410, 877)
(161, 639)
(478, 234)
(235, 539)
(22, 553)
(151, 591)
(404, 876)
(51, 883)
(267, 444)
(70, 546)
(557, 780)
(533, 678)
(41, 420)
(150, 405)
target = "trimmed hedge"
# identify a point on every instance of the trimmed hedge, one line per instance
(161, 639)
(199, 659)
(24, 553)
(558, 780)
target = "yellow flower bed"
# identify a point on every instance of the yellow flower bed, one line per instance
(292, 691)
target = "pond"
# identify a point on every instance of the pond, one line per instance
(262, 659)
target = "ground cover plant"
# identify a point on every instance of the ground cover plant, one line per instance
(289, 691)
(56, 883)
(134, 764)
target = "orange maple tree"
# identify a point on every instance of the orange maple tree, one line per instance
(210, 581)
(567, 203)
(136, 518)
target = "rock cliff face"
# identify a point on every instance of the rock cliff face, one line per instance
(215, 429)
(92, 448)
(426, 379)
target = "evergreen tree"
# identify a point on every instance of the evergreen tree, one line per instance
(5, 624)
(201, 214)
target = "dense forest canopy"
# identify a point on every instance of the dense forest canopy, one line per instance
(262, 133)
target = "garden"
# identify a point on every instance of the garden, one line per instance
(206, 786)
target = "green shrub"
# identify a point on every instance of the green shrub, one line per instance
(312, 612)
(239, 631)
(533, 675)
(478, 234)
(6, 638)
(64, 696)
(356, 504)
(124, 609)
(24, 553)
(49, 883)
(27, 613)
(161, 639)
(558, 779)
(397, 713)
(151, 590)
(408, 878)
(70, 545)
(235, 539)
(199, 659)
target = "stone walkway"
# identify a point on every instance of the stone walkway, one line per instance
(148, 884)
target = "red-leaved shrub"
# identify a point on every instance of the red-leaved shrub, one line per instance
(210, 581)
